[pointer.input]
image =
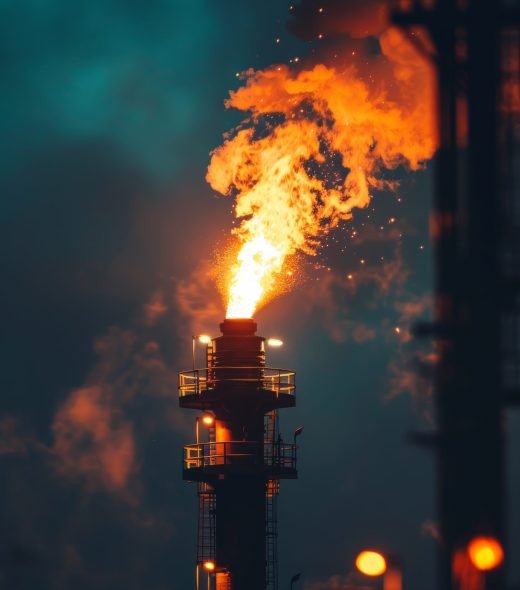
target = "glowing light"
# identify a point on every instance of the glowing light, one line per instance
(209, 566)
(208, 420)
(371, 563)
(204, 339)
(485, 553)
(275, 342)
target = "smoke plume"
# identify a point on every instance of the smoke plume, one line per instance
(317, 142)
(95, 427)
(94, 440)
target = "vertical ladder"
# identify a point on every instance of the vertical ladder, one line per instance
(271, 534)
(270, 436)
(206, 524)
(271, 492)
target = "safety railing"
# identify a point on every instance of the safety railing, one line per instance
(279, 381)
(240, 453)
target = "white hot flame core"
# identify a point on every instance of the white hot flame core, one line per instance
(258, 261)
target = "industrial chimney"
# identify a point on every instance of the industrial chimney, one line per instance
(239, 465)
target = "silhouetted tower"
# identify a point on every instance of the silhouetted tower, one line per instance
(475, 46)
(238, 470)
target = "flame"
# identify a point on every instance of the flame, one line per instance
(311, 153)
(253, 275)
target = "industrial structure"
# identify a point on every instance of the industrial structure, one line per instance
(475, 47)
(239, 465)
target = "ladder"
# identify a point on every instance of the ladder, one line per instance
(271, 534)
(270, 437)
(206, 523)
(271, 492)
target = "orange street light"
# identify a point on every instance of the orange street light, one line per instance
(209, 566)
(208, 420)
(485, 553)
(204, 339)
(371, 563)
(275, 342)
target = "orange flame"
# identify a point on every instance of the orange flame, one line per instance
(284, 164)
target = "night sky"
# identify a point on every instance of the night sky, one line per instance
(110, 110)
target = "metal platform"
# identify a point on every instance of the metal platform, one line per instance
(206, 460)
(199, 389)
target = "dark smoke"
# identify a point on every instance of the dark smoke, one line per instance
(356, 18)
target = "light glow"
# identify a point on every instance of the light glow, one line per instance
(485, 553)
(209, 566)
(208, 420)
(276, 342)
(371, 563)
(204, 339)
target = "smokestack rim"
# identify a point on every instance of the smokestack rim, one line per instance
(238, 327)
